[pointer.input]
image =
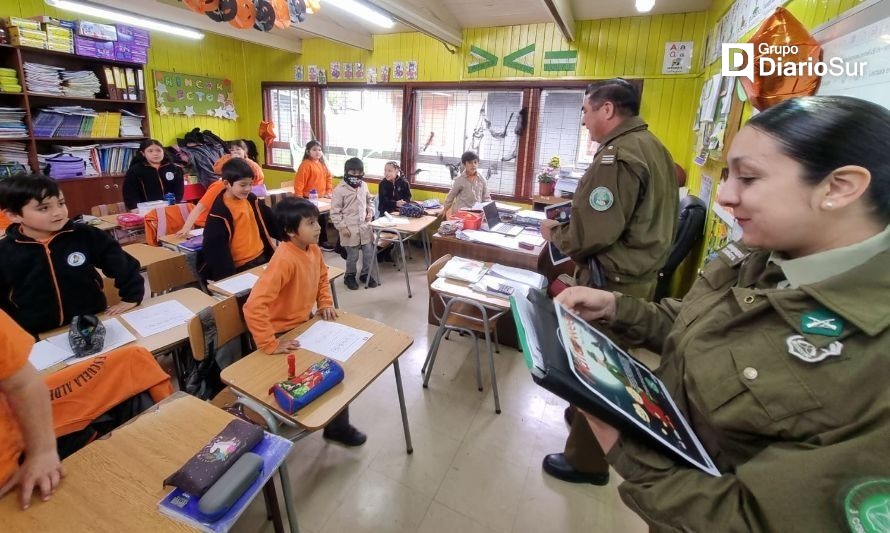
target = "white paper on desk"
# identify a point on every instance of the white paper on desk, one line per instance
(532, 279)
(238, 283)
(387, 222)
(333, 340)
(157, 318)
(196, 232)
(116, 335)
(45, 354)
(531, 238)
(494, 239)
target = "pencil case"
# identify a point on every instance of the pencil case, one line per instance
(130, 220)
(297, 392)
(208, 465)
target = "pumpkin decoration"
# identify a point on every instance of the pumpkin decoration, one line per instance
(225, 12)
(781, 31)
(265, 15)
(245, 16)
(297, 10)
(201, 6)
(282, 14)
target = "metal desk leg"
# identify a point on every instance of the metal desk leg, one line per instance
(395, 368)
(273, 512)
(402, 239)
(374, 267)
(334, 294)
(427, 248)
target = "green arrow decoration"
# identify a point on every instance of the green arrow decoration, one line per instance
(511, 59)
(560, 60)
(485, 60)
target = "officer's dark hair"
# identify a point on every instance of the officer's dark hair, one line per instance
(468, 156)
(290, 211)
(236, 169)
(17, 191)
(353, 163)
(620, 92)
(824, 133)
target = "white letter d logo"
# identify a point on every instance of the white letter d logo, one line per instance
(738, 60)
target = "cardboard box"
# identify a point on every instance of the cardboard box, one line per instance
(132, 31)
(45, 21)
(126, 52)
(58, 32)
(10, 22)
(32, 43)
(17, 32)
(94, 30)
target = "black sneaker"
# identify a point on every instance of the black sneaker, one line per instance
(347, 437)
(350, 282)
(327, 247)
(373, 283)
(363, 278)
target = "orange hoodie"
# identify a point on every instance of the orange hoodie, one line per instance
(313, 175)
(15, 346)
(295, 280)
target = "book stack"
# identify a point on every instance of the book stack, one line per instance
(12, 122)
(67, 121)
(14, 152)
(59, 38)
(113, 158)
(131, 124)
(9, 81)
(43, 79)
(24, 32)
(80, 83)
(107, 124)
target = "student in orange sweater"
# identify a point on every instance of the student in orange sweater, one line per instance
(313, 173)
(198, 216)
(295, 281)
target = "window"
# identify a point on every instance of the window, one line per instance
(450, 122)
(288, 109)
(561, 133)
(363, 123)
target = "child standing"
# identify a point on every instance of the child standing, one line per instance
(394, 189)
(48, 264)
(351, 212)
(295, 281)
(469, 187)
(151, 176)
(240, 229)
(312, 174)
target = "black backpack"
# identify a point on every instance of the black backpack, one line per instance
(411, 210)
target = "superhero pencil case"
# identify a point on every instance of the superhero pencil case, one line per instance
(297, 392)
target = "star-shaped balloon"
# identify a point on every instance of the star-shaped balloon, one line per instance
(189, 111)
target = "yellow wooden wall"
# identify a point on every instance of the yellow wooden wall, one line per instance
(244, 63)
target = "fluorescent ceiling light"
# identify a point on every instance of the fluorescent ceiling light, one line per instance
(125, 18)
(362, 11)
(644, 6)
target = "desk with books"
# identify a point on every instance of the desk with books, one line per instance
(115, 484)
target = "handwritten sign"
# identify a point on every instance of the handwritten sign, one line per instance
(189, 95)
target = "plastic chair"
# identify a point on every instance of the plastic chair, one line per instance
(169, 274)
(121, 235)
(464, 316)
(165, 220)
(229, 325)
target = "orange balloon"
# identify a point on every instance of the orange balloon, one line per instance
(781, 31)
(246, 15)
(267, 131)
(282, 15)
(201, 6)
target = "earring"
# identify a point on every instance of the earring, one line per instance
(829, 205)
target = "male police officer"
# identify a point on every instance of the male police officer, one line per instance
(624, 216)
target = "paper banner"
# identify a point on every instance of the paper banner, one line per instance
(189, 95)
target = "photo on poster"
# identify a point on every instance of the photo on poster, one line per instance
(358, 71)
(412, 70)
(298, 73)
(384, 74)
(372, 75)
(313, 73)
(335, 70)
(628, 387)
(347, 71)
(398, 70)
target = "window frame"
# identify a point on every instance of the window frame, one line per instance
(525, 187)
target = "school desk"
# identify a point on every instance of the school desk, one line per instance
(149, 255)
(400, 234)
(274, 195)
(333, 273)
(194, 299)
(115, 484)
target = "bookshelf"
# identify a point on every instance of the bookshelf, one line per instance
(83, 192)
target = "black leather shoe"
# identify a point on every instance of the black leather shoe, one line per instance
(373, 283)
(347, 437)
(350, 282)
(363, 278)
(558, 466)
(568, 414)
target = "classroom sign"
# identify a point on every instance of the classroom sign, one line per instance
(189, 95)
(677, 57)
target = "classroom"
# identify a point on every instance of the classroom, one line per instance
(439, 265)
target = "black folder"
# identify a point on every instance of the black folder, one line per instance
(602, 379)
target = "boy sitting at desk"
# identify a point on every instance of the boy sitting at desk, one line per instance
(48, 264)
(240, 229)
(295, 281)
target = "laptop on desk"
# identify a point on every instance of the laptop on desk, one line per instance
(490, 211)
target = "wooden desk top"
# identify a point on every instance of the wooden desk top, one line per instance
(549, 200)
(333, 273)
(256, 373)
(115, 484)
(192, 298)
(149, 255)
(520, 257)
(462, 289)
(324, 204)
(107, 223)
(415, 225)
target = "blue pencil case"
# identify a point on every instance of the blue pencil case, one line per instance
(297, 392)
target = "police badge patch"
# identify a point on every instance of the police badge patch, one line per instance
(601, 199)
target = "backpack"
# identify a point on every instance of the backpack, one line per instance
(411, 210)
(12, 168)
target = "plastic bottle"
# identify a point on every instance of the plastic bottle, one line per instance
(170, 198)
(313, 196)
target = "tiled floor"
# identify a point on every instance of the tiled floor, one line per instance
(471, 471)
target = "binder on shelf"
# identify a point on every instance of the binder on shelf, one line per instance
(140, 84)
(110, 83)
(131, 83)
(120, 81)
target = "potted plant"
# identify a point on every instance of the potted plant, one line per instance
(547, 177)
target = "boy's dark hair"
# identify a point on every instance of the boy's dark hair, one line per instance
(620, 92)
(290, 211)
(353, 163)
(468, 156)
(236, 169)
(17, 191)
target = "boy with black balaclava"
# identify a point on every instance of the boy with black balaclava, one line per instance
(352, 211)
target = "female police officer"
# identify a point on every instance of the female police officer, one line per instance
(779, 353)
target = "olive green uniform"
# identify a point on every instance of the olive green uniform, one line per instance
(625, 213)
(793, 415)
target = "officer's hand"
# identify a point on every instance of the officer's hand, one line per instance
(546, 226)
(589, 304)
(605, 434)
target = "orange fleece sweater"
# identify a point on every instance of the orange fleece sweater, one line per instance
(295, 281)
(313, 175)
